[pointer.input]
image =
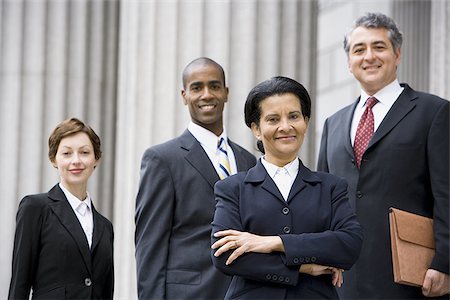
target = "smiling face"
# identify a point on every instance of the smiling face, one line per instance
(205, 94)
(75, 161)
(281, 128)
(372, 59)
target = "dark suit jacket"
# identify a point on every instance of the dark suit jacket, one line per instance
(51, 253)
(406, 165)
(174, 209)
(316, 225)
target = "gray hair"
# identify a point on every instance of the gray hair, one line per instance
(377, 20)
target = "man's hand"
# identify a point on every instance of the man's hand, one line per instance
(435, 284)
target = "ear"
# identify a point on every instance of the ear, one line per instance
(256, 131)
(226, 93)
(398, 56)
(183, 96)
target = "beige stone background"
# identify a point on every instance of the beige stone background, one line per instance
(117, 65)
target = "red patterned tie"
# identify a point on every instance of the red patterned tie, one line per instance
(365, 131)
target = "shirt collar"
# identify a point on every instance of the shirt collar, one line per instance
(385, 96)
(74, 201)
(291, 168)
(206, 137)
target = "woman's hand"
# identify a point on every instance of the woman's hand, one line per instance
(243, 242)
(316, 270)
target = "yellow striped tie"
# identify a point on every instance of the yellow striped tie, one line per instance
(224, 164)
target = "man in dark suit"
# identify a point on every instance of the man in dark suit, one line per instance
(404, 165)
(175, 203)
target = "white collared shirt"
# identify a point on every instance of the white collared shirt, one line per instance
(86, 220)
(386, 98)
(209, 140)
(283, 177)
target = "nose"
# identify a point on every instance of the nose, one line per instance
(75, 158)
(285, 125)
(369, 55)
(206, 93)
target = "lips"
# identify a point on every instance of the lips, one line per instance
(207, 106)
(284, 138)
(371, 67)
(76, 171)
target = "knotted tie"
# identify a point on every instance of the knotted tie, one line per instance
(364, 131)
(224, 164)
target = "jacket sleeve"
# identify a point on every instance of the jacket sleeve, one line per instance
(255, 266)
(340, 245)
(153, 217)
(26, 248)
(438, 163)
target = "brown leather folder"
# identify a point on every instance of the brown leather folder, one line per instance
(412, 245)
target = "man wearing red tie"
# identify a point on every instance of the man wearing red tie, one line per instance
(392, 146)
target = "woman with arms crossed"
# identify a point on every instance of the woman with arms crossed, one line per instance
(283, 231)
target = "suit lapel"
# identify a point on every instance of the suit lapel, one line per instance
(68, 219)
(198, 158)
(402, 106)
(99, 227)
(304, 175)
(258, 174)
(241, 162)
(348, 126)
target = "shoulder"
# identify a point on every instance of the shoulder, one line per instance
(35, 200)
(231, 183)
(168, 149)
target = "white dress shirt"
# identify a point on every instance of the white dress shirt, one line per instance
(83, 211)
(386, 98)
(282, 176)
(209, 141)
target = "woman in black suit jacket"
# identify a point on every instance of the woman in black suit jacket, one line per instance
(283, 231)
(63, 248)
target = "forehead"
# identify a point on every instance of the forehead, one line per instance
(367, 36)
(203, 73)
(78, 139)
(280, 102)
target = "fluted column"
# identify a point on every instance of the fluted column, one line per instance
(439, 48)
(57, 60)
(413, 19)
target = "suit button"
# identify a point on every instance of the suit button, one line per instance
(280, 278)
(359, 194)
(274, 277)
(286, 229)
(87, 282)
(353, 162)
(287, 279)
(268, 277)
(313, 259)
(302, 260)
(285, 210)
(307, 259)
(296, 260)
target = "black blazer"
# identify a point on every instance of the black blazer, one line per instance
(406, 165)
(174, 209)
(51, 253)
(316, 225)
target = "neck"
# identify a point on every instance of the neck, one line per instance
(78, 191)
